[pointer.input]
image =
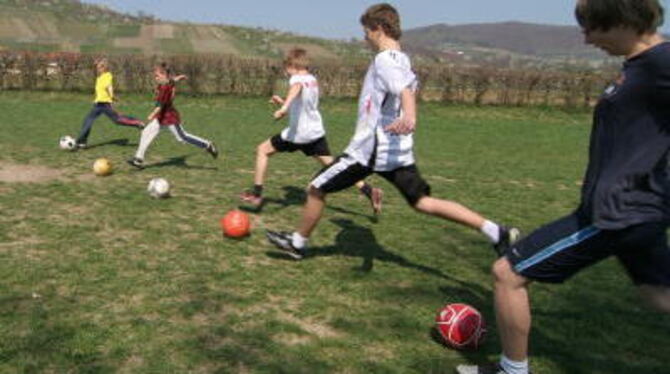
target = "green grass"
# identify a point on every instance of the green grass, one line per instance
(99, 278)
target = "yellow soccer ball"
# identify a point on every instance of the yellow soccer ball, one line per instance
(102, 167)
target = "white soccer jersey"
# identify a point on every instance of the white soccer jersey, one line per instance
(305, 123)
(379, 106)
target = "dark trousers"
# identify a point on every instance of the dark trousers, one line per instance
(106, 109)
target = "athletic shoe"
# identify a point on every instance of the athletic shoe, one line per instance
(376, 200)
(478, 369)
(508, 236)
(81, 146)
(211, 149)
(249, 197)
(284, 241)
(136, 163)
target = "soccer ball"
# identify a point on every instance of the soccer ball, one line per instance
(67, 143)
(102, 167)
(158, 188)
(461, 326)
(235, 224)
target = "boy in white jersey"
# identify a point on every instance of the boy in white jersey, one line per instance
(383, 143)
(305, 131)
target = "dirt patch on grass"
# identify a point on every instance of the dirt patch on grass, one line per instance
(16, 173)
(319, 329)
(292, 339)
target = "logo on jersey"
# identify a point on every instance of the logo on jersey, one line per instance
(613, 88)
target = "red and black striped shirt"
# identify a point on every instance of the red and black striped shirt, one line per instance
(168, 114)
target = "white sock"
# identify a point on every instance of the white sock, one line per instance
(298, 240)
(491, 230)
(513, 367)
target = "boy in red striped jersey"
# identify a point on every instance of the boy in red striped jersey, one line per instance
(165, 115)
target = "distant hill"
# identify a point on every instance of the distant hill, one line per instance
(72, 26)
(68, 25)
(542, 41)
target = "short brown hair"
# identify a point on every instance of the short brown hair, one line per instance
(297, 58)
(643, 16)
(102, 61)
(385, 16)
(164, 68)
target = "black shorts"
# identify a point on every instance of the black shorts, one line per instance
(319, 147)
(344, 172)
(559, 250)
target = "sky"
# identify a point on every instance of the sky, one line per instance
(339, 19)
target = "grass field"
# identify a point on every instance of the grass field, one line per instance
(98, 278)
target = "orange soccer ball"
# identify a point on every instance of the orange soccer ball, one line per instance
(235, 224)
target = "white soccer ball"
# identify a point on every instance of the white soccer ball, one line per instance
(67, 143)
(159, 188)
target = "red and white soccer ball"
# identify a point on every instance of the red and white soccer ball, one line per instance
(461, 326)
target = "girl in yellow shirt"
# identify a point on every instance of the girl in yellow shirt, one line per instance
(104, 97)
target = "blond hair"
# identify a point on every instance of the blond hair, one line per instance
(297, 59)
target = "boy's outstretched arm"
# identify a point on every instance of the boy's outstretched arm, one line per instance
(293, 92)
(180, 77)
(406, 124)
(276, 99)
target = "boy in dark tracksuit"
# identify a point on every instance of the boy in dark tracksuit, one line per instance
(625, 202)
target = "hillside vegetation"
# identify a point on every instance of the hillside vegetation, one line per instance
(518, 37)
(71, 26)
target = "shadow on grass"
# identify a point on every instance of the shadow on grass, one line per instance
(297, 196)
(292, 196)
(580, 332)
(179, 162)
(574, 332)
(122, 142)
(50, 344)
(357, 241)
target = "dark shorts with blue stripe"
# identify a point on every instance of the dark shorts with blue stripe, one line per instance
(559, 250)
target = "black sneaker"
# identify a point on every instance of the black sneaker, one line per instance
(211, 149)
(508, 236)
(80, 146)
(136, 163)
(284, 241)
(480, 369)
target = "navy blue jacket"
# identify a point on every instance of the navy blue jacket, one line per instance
(626, 180)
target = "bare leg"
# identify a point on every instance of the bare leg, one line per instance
(657, 297)
(312, 211)
(263, 153)
(512, 310)
(450, 210)
(325, 160)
